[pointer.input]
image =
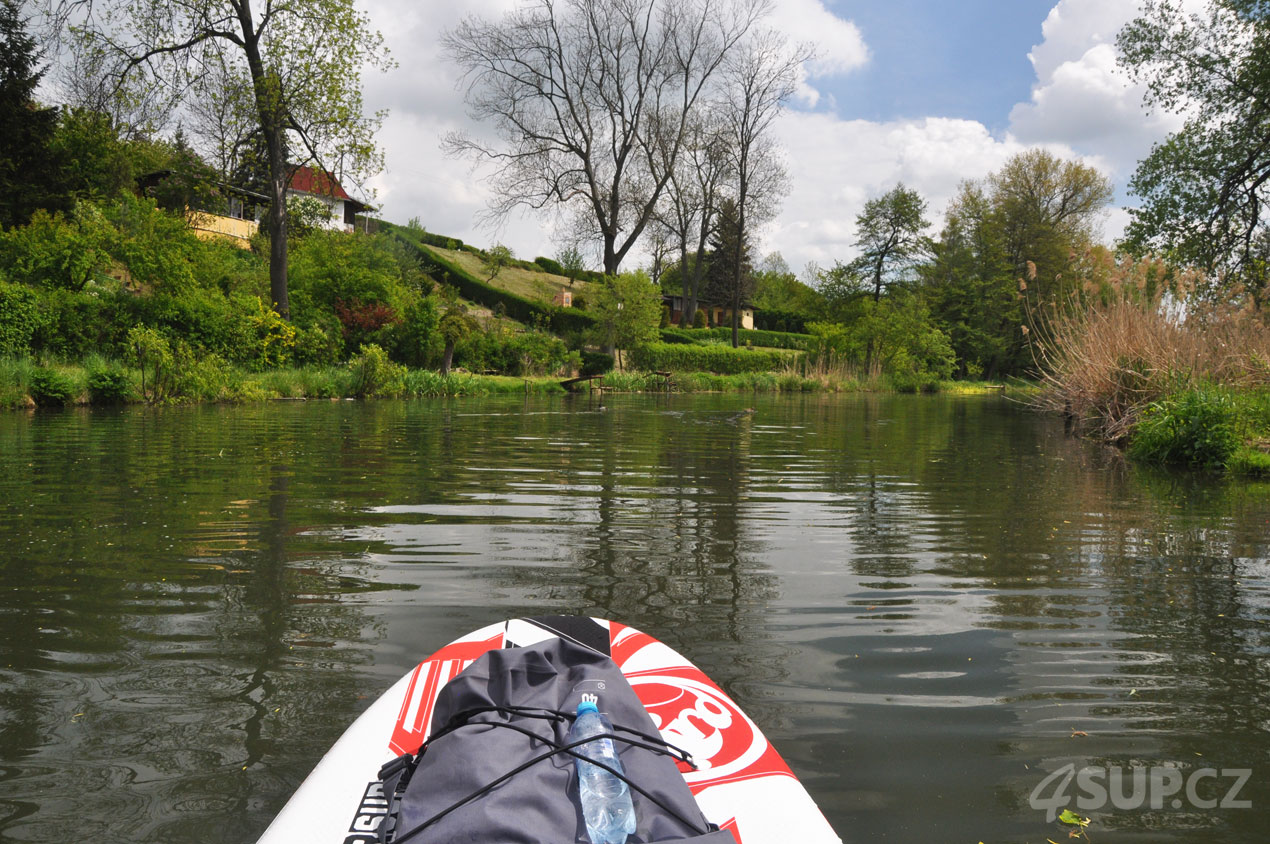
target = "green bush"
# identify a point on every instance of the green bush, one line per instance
(158, 248)
(596, 363)
(51, 388)
(550, 265)
(109, 385)
(56, 250)
(1195, 427)
(699, 319)
(721, 359)
(316, 345)
(20, 316)
(373, 374)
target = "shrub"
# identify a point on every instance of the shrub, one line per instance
(596, 363)
(373, 374)
(109, 385)
(549, 265)
(1195, 427)
(362, 322)
(51, 388)
(56, 250)
(316, 345)
(19, 318)
(156, 246)
(417, 339)
(275, 337)
(721, 359)
(699, 319)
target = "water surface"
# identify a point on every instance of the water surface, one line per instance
(929, 604)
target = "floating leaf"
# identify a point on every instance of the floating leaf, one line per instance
(1070, 817)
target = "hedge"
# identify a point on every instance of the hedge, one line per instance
(724, 360)
(474, 289)
(772, 320)
(753, 337)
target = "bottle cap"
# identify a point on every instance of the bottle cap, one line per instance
(587, 706)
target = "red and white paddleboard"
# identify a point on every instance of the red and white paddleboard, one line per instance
(741, 782)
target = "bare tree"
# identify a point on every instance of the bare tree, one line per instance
(759, 79)
(591, 101)
(690, 205)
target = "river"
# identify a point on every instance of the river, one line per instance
(935, 607)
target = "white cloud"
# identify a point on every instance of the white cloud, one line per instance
(836, 165)
(840, 47)
(1082, 97)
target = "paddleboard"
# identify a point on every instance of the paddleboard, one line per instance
(741, 783)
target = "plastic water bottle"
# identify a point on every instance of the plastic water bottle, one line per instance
(606, 799)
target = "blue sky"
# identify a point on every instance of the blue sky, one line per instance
(951, 58)
(927, 92)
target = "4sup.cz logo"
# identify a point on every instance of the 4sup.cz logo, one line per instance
(1132, 788)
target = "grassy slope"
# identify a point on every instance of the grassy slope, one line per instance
(541, 286)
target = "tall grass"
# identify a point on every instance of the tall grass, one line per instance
(1104, 364)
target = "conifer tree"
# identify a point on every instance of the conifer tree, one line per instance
(728, 285)
(29, 174)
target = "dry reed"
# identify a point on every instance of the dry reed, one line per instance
(1103, 363)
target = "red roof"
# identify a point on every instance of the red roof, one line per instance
(307, 180)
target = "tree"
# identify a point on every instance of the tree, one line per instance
(691, 204)
(591, 101)
(730, 273)
(1047, 208)
(455, 326)
(760, 77)
(972, 290)
(571, 262)
(1205, 188)
(300, 60)
(30, 178)
(889, 236)
(497, 257)
(627, 309)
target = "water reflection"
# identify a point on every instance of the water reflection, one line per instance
(928, 603)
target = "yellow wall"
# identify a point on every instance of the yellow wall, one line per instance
(208, 226)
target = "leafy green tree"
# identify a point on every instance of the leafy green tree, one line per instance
(1205, 189)
(776, 288)
(100, 163)
(571, 261)
(1047, 209)
(889, 236)
(496, 258)
(301, 60)
(30, 174)
(627, 310)
(972, 289)
(455, 326)
(59, 250)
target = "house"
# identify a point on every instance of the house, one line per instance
(716, 315)
(563, 298)
(235, 213)
(306, 181)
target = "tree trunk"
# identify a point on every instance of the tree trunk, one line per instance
(278, 223)
(447, 359)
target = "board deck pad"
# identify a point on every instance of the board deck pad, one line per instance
(741, 783)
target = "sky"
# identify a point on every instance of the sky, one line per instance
(925, 92)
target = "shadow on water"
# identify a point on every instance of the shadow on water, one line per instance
(929, 604)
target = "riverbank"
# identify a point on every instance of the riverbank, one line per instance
(101, 381)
